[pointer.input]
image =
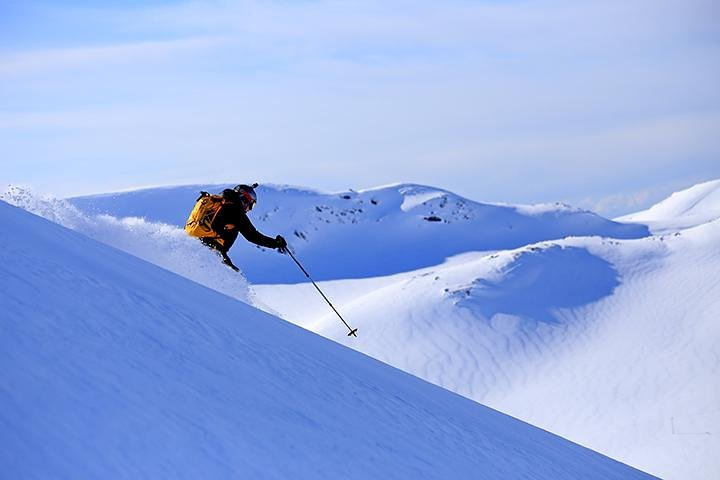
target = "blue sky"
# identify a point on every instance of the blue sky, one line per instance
(608, 105)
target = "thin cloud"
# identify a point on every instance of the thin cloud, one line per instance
(622, 203)
(466, 95)
(520, 26)
(33, 62)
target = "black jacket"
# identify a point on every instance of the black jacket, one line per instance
(232, 219)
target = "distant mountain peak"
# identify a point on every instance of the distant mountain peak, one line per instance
(683, 209)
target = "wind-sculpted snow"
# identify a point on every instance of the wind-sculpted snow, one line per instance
(111, 367)
(370, 233)
(540, 281)
(611, 343)
(471, 324)
(162, 244)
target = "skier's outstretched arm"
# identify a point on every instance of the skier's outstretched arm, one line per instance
(248, 230)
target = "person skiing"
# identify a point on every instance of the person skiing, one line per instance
(218, 219)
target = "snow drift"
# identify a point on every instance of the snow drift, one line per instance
(111, 367)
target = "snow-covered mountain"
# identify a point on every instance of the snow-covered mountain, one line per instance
(369, 233)
(694, 206)
(111, 367)
(612, 343)
(589, 328)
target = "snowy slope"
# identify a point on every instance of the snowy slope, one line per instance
(694, 206)
(566, 321)
(369, 233)
(113, 368)
(158, 243)
(603, 341)
(612, 343)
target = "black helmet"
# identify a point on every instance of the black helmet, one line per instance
(247, 193)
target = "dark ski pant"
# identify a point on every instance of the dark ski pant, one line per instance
(220, 249)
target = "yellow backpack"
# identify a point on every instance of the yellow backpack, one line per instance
(199, 223)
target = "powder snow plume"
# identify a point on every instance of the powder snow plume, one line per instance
(164, 245)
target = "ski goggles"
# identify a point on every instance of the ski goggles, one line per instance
(249, 199)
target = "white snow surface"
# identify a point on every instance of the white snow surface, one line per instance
(614, 344)
(688, 208)
(111, 367)
(416, 196)
(592, 329)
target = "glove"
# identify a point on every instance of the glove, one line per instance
(281, 243)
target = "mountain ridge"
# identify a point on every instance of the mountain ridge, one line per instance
(386, 226)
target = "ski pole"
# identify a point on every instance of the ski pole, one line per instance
(353, 331)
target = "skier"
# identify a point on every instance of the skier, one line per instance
(217, 219)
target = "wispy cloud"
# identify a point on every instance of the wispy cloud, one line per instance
(563, 98)
(39, 61)
(622, 203)
(552, 26)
